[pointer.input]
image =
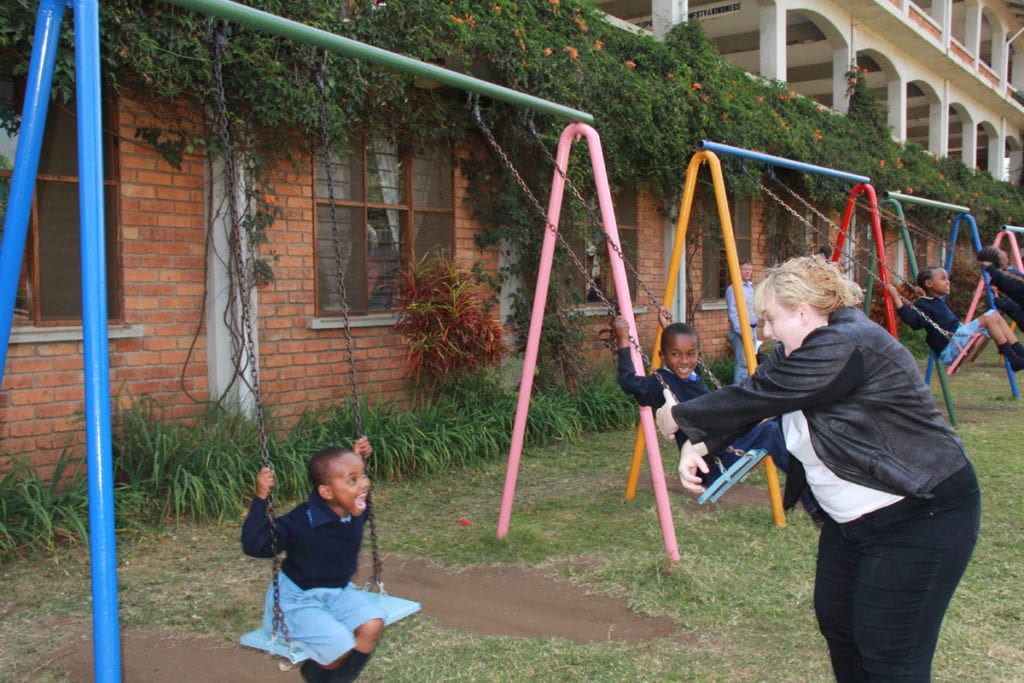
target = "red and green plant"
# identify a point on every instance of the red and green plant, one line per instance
(446, 315)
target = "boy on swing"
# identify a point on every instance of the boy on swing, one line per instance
(949, 339)
(678, 377)
(322, 537)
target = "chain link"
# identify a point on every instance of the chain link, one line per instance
(320, 79)
(856, 248)
(590, 282)
(240, 271)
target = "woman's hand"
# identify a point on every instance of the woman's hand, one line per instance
(691, 461)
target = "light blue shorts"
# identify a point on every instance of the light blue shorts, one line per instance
(959, 341)
(322, 619)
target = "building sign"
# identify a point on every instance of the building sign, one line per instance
(714, 11)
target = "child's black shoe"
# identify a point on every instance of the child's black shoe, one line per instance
(314, 673)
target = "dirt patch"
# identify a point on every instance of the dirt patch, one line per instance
(515, 601)
(501, 600)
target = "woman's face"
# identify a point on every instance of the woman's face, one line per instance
(790, 326)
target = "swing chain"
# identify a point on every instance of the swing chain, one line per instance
(928, 320)
(594, 219)
(218, 42)
(320, 79)
(474, 107)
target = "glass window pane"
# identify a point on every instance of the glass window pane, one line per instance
(384, 249)
(113, 281)
(432, 234)
(60, 270)
(625, 208)
(385, 181)
(432, 180)
(346, 176)
(9, 123)
(352, 242)
(58, 155)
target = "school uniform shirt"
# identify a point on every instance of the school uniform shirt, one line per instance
(648, 391)
(322, 548)
(927, 308)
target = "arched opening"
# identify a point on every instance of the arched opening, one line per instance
(922, 116)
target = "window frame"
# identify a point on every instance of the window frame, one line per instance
(629, 242)
(714, 268)
(408, 207)
(31, 258)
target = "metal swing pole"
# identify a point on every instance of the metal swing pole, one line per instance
(26, 162)
(310, 35)
(571, 132)
(976, 241)
(106, 632)
(892, 199)
(728, 236)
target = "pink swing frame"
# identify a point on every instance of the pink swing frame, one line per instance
(572, 132)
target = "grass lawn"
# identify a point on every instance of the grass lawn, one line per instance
(740, 597)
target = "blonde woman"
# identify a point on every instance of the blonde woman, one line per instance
(900, 495)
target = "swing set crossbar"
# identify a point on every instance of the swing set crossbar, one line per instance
(781, 162)
(294, 30)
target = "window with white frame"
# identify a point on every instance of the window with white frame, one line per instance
(390, 207)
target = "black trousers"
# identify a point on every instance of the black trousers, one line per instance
(884, 581)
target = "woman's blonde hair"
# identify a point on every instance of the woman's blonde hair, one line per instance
(806, 279)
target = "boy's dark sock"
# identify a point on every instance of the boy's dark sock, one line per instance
(1014, 353)
(350, 667)
(314, 673)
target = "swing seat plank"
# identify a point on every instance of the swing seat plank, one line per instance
(733, 475)
(262, 639)
(970, 351)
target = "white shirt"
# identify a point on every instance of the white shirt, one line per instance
(843, 500)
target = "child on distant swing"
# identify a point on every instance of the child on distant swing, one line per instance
(678, 377)
(1008, 281)
(322, 537)
(948, 337)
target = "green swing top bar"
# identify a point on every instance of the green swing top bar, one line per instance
(294, 30)
(911, 199)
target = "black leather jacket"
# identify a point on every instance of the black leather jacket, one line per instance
(872, 419)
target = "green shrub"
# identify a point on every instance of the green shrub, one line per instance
(167, 470)
(38, 515)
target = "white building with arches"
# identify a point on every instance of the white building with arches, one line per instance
(949, 70)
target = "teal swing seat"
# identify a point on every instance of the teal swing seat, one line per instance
(733, 475)
(262, 639)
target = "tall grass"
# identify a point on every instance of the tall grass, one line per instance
(168, 470)
(40, 515)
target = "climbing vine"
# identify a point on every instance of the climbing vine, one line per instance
(652, 101)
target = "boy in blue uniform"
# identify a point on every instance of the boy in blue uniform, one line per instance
(680, 351)
(1007, 280)
(944, 333)
(322, 537)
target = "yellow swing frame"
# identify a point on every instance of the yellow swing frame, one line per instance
(732, 259)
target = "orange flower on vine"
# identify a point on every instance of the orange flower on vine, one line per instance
(573, 54)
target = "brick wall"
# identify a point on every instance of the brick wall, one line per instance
(162, 258)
